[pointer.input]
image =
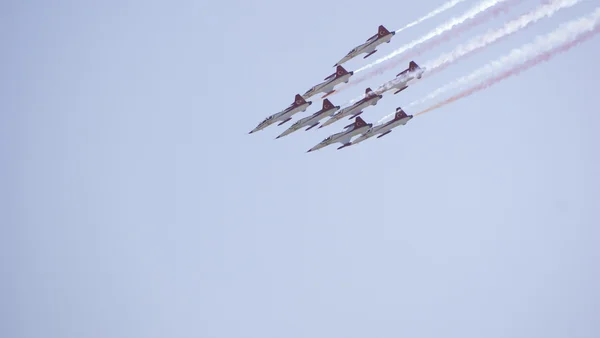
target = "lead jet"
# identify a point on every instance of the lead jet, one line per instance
(299, 105)
(401, 81)
(340, 75)
(383, 35)
(399, 119)
(312, 121)
(358, 127)
(370, 99)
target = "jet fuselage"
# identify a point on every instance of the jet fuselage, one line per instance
(401, 82)
(327, 86)
(382, 129)
(343, 137)
(281, 116)
(353, 109)
(367, 47)
(310, 121)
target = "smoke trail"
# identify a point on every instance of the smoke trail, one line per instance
(433, 13)
(517, 69)
(559, 36)
(471, 13)
(503, 7)
(484, 40)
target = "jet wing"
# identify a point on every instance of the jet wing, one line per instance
(345, 140)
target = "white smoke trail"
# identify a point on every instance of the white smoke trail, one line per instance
(433, 13)
(471, 13)
(491, 36)
(563, 34)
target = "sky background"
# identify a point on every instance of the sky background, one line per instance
(135, 204)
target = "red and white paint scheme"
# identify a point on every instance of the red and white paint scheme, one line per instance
(340, 75)
(369, 47)
(356, 108)
(299, 105)
(412, 72)
(383, 129)
(358, 127)
(312, 121)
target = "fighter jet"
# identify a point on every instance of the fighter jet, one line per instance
(299, 105)
(369, 46)
(359, 126)
(328, 110)
(401, 81)
(340, 75)
(356, 108)
(399, 119)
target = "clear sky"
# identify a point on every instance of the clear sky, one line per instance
(136, 205)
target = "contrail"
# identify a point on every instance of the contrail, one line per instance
(471, 13)
(517, 69)
(484, 40)
(433, 13)
(561, 35)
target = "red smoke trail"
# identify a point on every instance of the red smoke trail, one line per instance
(546, 56)
(446, 36)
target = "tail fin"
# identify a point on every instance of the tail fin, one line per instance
(369, 92)
(359, 122)
(299, 100)
(400, 114)
(327, 105)
(341, 71)
(383, 31)
(412, 66)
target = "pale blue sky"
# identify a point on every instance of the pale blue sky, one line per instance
(135, 204)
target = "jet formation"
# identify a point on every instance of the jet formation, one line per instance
(334, 113)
